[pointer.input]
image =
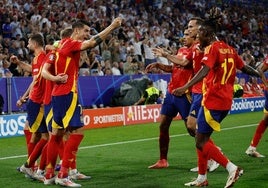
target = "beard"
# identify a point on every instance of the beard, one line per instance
(31, 51)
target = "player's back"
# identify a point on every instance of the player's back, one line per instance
(223, 61)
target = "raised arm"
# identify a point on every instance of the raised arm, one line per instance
(25, 66)
(250, 71)
(97, 39)
(179, 60)
(166, 68)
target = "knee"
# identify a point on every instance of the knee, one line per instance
(191, 128)
(191, 132)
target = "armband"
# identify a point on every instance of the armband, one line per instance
(98, 39)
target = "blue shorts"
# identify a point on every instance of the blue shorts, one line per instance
(173, 105)
(48, 116)
(35, 117)
(209, 120)
(67, 112)
(196, 104)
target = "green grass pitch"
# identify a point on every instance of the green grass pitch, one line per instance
(119, 156)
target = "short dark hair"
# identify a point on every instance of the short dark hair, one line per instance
(213, 21)
(80, 24)
(67, 32)
(38, 38)
(199, 20)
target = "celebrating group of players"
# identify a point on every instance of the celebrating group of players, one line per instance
(201, 90)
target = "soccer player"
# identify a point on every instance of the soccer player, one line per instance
(60, 78)
(173, 105)
(67, 113)
(220, 62)
(251, 151)
(193, 57)
(48, 114)
(35, 110)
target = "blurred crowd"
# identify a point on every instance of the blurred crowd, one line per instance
(147, 24)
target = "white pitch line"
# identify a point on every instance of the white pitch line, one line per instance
(131, 141)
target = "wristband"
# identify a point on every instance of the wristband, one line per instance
(98, 39)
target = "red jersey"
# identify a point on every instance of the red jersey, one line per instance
(180, 75)
(50, 59)
(195, 56)
(223, 61)
(67, 61)
(37, 92)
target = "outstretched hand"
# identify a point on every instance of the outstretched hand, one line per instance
(158, 51)
(150, 67)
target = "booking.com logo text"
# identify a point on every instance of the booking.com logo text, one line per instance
(248, 104)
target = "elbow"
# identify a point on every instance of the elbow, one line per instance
(44, 74)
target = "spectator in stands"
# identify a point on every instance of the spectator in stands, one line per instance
(255, 86)
(6, 72)
(61, 15)
(130, 66)
(238, 89)
(147, 51)
(150, 95)
(106, 53)
(15, 28)
(108, 71)
(7, 29)
(248, 58)
(115, 68)
(246, 88)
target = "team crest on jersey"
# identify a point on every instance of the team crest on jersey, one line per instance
(51, 57)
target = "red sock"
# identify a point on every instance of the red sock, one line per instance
(63, 173)
(28, 136)
(72, 164)
(61, 149)
(202, 162)
(69, 155)
(30, 148)
(43, 160)
(212, 152)
(163, 144)
(52, 154)
(258, 133)
(36, 152)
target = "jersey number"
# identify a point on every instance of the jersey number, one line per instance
(227, 72)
